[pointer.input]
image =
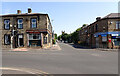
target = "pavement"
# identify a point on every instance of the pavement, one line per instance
(68, 60)
(53, 47)
(77, 46)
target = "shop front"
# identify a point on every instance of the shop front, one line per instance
(107, 39)
(116, 40)
(34, 38)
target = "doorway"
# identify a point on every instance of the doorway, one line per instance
(20, 40)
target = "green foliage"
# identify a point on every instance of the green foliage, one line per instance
(79, 29)
(59, 37)
(56, 36)
(84, 25)
(53, 41)
(73, 37)
(64, 36)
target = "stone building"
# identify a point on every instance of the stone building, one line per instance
(26, 30)
(103, 33)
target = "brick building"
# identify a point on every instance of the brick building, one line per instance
(26, 30)
(103, 33)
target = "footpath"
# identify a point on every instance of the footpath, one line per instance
(53, 47)
(86, 47)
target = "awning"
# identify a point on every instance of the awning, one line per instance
(106, 33)
(36, 31)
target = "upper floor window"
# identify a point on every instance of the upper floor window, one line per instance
(20, 24)
(6, 39)
(96, 27)
(118, 25)
(33, 23)
(7, 24)
(49, 26)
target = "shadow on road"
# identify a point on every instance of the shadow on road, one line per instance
(77, 46)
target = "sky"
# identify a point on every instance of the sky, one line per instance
(64, 16)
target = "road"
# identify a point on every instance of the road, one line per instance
(68, 60)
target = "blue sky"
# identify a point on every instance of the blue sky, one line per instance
(66, 16)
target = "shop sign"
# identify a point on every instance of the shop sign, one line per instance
(103, 35)
(104, 39)
(115, 35)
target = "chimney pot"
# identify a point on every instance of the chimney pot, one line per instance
(98, 18)
(18, 11)
(29, 10)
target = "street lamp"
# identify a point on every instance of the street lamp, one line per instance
(12, 34)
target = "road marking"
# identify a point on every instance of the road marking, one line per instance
(27, 70)
(95, 55)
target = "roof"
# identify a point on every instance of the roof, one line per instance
(23, 14)
(112, 15)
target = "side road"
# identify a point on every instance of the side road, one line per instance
(53, 47)
(77, 46)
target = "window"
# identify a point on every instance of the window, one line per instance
(96, 27)
(34, 23)
(7, 39)
(7, 24)
(45, 40)
(118, 25)
(20, 23)
(49, 26)
(34, 36)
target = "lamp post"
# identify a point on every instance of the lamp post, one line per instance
(12, 34)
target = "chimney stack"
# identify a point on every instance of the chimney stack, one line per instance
(98, 18)
(29, 10)
(18, 11)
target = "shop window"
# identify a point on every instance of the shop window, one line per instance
(7, 24)
(34, 36)
(116, 42)
(6, 39)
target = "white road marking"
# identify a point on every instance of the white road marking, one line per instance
(27, 70)
(95, 55)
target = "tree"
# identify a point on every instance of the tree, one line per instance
(75, 37)
(56, 36)
(84, 25)
(64, 36)
(59, 37)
